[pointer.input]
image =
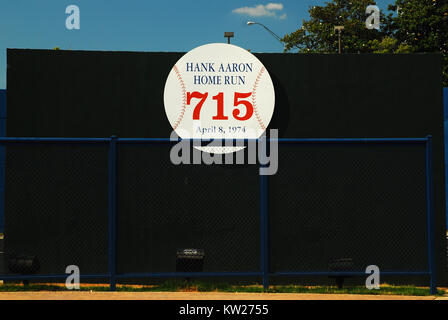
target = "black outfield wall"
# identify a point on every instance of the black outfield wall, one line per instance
(99, 94)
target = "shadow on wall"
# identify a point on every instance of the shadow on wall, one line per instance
(280, 118)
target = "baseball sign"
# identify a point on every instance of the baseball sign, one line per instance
(219, 91)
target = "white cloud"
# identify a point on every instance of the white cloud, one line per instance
(257, 11)
(274, 6)
(262, 10)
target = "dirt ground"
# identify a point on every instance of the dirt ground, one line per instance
(85, 295)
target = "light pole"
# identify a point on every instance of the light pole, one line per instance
(249, 23)
(339, 30)
(228, 35)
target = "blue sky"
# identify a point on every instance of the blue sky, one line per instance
(148, 25)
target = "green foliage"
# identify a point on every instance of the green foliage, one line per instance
(205, 286)
(419, 26)
(318, 35)
(423, 25)
(389, 45)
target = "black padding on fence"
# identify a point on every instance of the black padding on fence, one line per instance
(163, 208)
(56, 200)
(361, 201)
(99, 94)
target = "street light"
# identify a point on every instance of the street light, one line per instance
(339, 30)
(228, 35)
(249, 23)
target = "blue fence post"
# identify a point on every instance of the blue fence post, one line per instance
(430, 214)
(264, 231)
(112, 245)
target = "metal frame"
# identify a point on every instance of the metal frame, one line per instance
(264, 273)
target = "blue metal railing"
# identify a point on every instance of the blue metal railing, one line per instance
(264, 273)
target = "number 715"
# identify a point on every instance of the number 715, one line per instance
(220, 105)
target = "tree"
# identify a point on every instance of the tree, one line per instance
(409, 26)
(423, 25)
(389, 45)
(318, 35)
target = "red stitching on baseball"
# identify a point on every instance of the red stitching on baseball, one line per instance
(184, 98)
(254, 98)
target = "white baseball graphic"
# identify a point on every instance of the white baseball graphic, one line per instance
(219, 91)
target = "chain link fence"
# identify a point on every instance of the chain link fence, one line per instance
(364, 202)
(56, 205)
(119, 209)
